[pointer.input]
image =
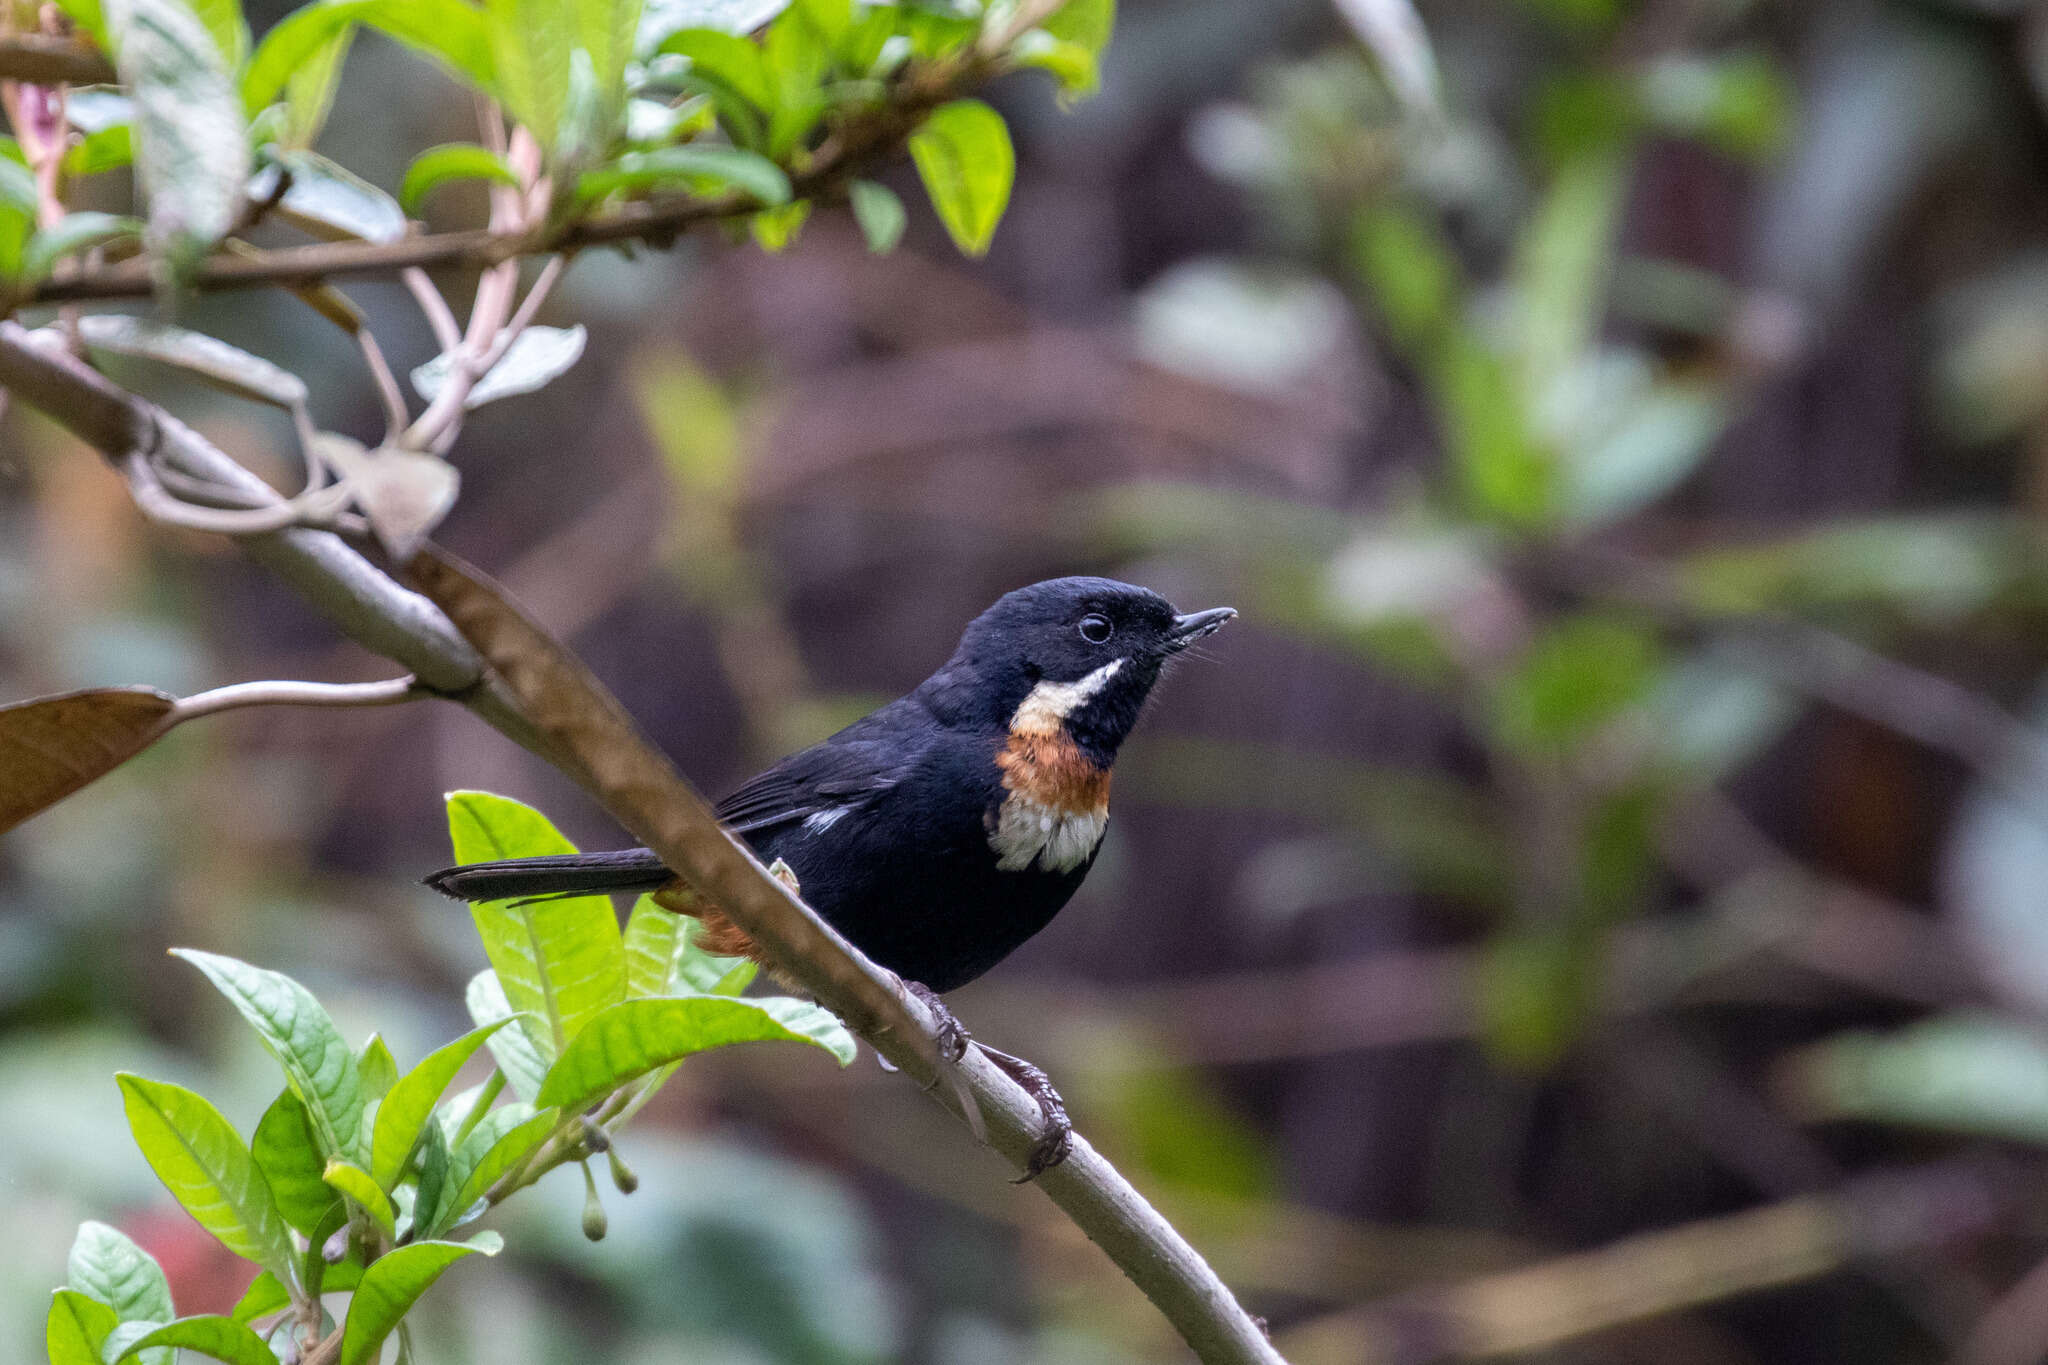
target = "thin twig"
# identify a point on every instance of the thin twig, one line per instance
(393, 397)
(387, 692)
(451, 427)
(440, 317)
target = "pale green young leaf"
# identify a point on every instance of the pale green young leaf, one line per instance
(107, 1265)
(76, 1327)
(557, 960)
(391, 1286)
(964, 157)
(531, 42)
(523, 1052)
(327, 200)
(451, 32)
(267, 1294)
(449, 162)
(309, 89)
(101, 150)
(289, 1157)
(635, 1037)
(535, 359)
(208, 359)
(188, 124)
(662, 957)
(734, 62)
(204, 1164)
(88, 15)
(17, 185)
(347, 1178)
(776, 229)
(880, 213)
(79, 231)
(376, 1068)
(409, 1106)
(222, 1338)
(699, 169)
(492, 1151)
(298, 1032)
(223, 19)
(435, 1187)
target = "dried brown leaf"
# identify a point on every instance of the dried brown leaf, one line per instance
(52, 746)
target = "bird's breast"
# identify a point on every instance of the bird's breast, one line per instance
(1055, 802)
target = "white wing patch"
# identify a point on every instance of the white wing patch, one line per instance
(1050, 703)
(817, 822)
(1026, 832)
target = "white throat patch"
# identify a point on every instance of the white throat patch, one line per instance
(1050, 703)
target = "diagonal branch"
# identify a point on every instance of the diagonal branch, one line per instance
(40, 59)
(543, 700)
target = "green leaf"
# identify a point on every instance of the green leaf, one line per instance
(1413, 276)
(78, 231)
(776, 228)
(880, 214)
(493, 1150)
(352, 1180)
(536, 359)
(107, 1265)
(605, 30)
(17, 186)
(299, 1034)
(223, 19)
(662, 955)
(391, 1286)
(266, 1293)
(209, 359)
(222, 1338)
(531, 42)
(376, 1068)
(524, 1051)
(188, 125)
(309, 89)
(1562, 265)
(289, 1156)
(330, 201)
(449, 162)
(964, 157)
(1577, 675)
(89, 17)
(557, 960)
(635, 1037)
(1505, 474)
(735, 63)
(205, 1165)
(75, 1329)
(451, 32)
(1963, 1072)
(660, 19)
(436, 1186)
(103, 149)
(701, 170)
(407, 1110)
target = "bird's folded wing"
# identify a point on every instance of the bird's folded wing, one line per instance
(837, 776)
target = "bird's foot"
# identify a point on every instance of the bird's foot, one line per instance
(948, 1032)
(1056, 1138)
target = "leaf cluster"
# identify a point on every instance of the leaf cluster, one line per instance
(365, 1179)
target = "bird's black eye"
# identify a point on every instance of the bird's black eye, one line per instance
(1095, 628)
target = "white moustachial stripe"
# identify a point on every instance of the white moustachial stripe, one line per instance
(1050, 703)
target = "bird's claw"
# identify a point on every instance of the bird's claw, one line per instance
(948, 1032)
(1056, 1136)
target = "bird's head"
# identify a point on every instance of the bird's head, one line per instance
(1078, 655)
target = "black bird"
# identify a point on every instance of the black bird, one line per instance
(943, 830)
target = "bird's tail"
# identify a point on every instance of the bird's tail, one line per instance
(565, 874)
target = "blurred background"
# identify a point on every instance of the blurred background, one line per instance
(1592, 907)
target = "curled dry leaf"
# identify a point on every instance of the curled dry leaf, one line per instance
(404, 493)
(52, 746)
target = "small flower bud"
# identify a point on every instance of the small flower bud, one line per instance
(623, 1178)
(594, 1222)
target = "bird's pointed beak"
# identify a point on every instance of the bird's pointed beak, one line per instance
(1195, 625)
